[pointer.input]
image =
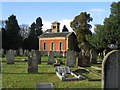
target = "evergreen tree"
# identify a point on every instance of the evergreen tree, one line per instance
(81, 26)
(64, 29)
(14, 39)
(109, 33)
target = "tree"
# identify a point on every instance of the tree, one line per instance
(4, 38)
(39, 26)
(112, 25)
(81, 26)
(97, 39)
(32, 41)
(14, 39)
(109, 33)
(38, 30)
(64, 29)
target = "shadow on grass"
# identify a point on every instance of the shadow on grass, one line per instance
(30, 73)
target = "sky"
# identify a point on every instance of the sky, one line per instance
(63, 12)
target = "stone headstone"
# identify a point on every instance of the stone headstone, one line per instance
(84, 58)
(32, 62)
(2, 54)
(48, 86)
(25, 52)
(55, 54)
(38, 56)
(60, 54)
(51, 58)
(80, 59)
(111, 70)
(10, 57)
(20, 52)
(15, 53)
(93, 56)
(70, 58)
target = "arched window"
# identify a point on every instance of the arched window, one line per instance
(60, 46)
(52, 46)
(44, 45)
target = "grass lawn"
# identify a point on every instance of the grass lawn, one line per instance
(16, 76)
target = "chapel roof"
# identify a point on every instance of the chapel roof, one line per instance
(60, 34)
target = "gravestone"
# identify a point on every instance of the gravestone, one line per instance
(10, 57)
(80, 59)
(20, 52)
(93, 56)
(38, 56)
(51, 58)
(60, 54)
(15, 53)
(32, 62)
(111, 70)
(26, 52)
(42, 86)
(2, 54)
(55, 54)
(84, 58)
(70, 58)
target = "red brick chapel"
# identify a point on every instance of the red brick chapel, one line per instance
(54, 40)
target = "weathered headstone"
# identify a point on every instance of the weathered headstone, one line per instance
(2, 53)
(70, 58)
(10, 57)
(55, 53)
(93, 56)
(51, 58)
(111, 70)
(25, 52)
(84, 58)
(20, 52)
(38, 56)
(80, 59)
(32, 62)
(60, 54)
(15, 53)
(42, 86)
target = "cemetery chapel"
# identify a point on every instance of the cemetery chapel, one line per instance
(54, 40)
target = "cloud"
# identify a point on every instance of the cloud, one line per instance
(47, 24)
(96, 11)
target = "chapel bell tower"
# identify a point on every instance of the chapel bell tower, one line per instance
(55, 27)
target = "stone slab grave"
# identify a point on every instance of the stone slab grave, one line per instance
(10, 56)
(111, 70)
(51, 58)
(32, 62)
(41, 86)
(63, 72)
(70, 58)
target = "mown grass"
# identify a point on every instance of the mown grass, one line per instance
(16, 76)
